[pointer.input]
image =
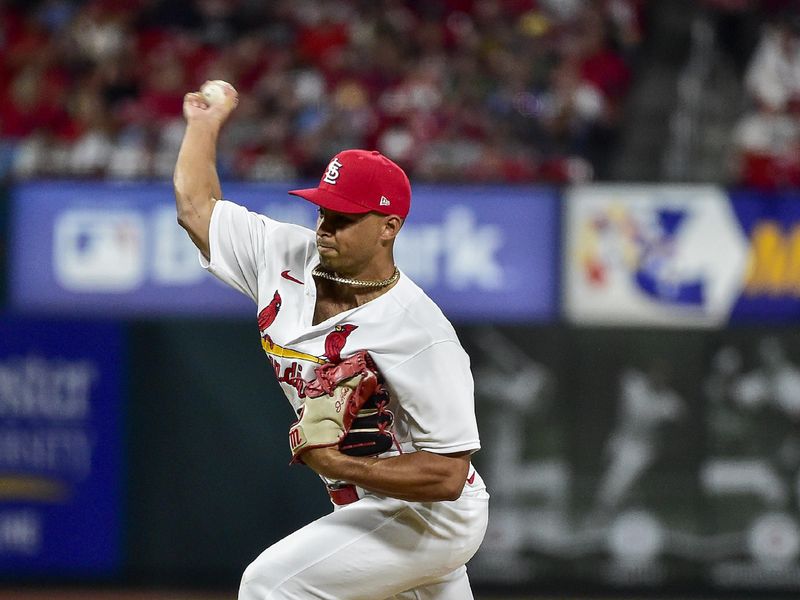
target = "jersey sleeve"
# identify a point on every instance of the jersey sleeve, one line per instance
(245, 247)
(436, 391)
(235, 241)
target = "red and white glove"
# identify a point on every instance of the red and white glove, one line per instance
(345, 406)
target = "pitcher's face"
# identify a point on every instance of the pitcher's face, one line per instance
(347, 243)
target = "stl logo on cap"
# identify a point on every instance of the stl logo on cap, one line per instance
(372, 183)
(332, 173)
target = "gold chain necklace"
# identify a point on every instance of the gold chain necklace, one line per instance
(317, 272)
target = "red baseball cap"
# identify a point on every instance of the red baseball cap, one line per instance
(361, 181)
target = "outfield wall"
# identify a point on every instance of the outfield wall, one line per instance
(637, 371)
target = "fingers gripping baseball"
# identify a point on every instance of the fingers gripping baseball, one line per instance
(213, 103)
(334, 402)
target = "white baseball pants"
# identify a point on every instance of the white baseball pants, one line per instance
(376, 549)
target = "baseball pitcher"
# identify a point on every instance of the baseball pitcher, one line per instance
(378, 380)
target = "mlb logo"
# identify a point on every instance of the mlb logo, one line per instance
(99, 251)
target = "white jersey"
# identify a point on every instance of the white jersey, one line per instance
(412, 343)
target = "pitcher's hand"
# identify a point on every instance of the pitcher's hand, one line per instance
(196, 109)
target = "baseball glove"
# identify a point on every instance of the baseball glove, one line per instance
(371, 431)
(345, 406)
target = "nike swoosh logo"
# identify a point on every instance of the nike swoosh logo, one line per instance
(471, 478)
(285, 275)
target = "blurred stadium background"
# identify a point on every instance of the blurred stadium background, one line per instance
(605, 203)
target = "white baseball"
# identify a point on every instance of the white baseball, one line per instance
(214, 91)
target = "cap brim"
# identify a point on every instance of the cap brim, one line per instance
(331, 201)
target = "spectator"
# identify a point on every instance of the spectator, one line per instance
(773, 75)
(767, 138)
(511, 90)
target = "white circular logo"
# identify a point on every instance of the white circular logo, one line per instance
(774, 539)
(636, 537)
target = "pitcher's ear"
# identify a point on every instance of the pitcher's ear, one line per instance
(391, 227)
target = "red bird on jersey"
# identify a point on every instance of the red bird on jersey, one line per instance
(267, 316)
(335, 341)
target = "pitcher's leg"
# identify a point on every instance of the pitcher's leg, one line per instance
(368, 550)
(454, 586)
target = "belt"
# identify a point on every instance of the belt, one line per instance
(343, 494)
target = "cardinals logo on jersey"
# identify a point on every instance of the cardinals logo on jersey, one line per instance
(267, 316)
(335, 341)
(291, 373)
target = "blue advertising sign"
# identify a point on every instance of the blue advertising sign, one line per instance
(651, 255)
(116, 249)
(60, 447)
(771, 287)
(681, 255)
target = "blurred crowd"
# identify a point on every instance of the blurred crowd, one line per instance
(454, 90)
(766, 140)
